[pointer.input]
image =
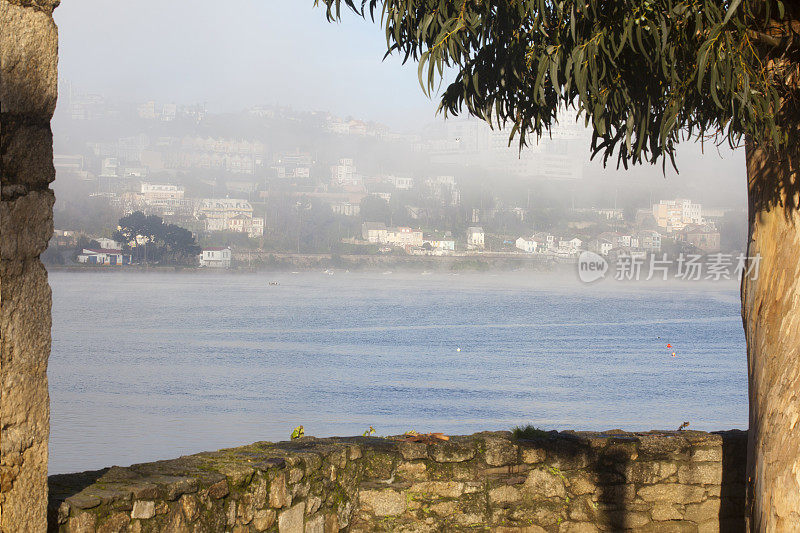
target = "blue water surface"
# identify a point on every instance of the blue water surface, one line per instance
(149, 366)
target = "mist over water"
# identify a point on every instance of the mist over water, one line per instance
(148, 366)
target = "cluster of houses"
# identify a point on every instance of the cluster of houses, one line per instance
(109, 253)
(550, 244)
(679, 219)
(414, 240)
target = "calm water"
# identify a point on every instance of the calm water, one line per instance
(151, 366)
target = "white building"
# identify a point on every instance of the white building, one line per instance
(108, 244)
(344, 173)
(378, 233)
(218, 212)
(526, 245)
(443, 245)
(475, 238)
(103, 256)
(570, 247)
(253, 226)
(402, 183)
(674, 215)
(403, 236)
(374, 232)
(216, 257)
(346, 209)
(649, 240)
(162, 195)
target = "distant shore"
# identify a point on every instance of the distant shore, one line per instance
(279, 261)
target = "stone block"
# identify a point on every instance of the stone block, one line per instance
(504, 494)
(412, 471)
(451, 452)
(27, 225)
(663, 511)
(700, 474)
(648, 472)
(189, 506)
(671, 492)
(278, 492)
(27, 156)
(442, 489)
(143, 510)
(386, 502)
(315, 524)
(413, 450)
(578, 527)
(702, 512)
(533, 455)
(709, 454)
(499, 451)
(218, 490)
(115, 523)
(542, 483)
(263, 519)
(29, 61)
(291, 520)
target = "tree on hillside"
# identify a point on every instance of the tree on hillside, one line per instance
(646, 74)
(148, 234)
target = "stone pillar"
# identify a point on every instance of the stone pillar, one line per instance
(28, 86)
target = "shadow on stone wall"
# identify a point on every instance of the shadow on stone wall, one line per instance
(566, 482)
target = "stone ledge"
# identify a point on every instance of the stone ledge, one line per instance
(579, 481)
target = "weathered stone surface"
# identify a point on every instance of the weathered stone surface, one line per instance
(702, 512)
(412, 471)
(291, 520)
(116, 523)
(386, 502)
(218, 490)
(701, 474)
(709, 454)
(28, 85)
(143, 509)
(671, 492)
(665, 511)
(24, 399)
(278, 492)
(443, 489)
(578, 527)
(452, 496)
(29, 61)
(499, 451)
(451, 452)
(648, 472)
(315, 524)
(544, 483)
(532, 455)
(504, 494)
(27, 156)
(263, 519)
(413, 450)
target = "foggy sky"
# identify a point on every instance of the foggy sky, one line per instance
(240, 53)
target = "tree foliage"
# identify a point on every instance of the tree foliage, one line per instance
(166, 242)
(644, 74)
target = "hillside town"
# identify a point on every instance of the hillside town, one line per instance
(308, 183)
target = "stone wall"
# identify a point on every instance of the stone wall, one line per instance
(566, 482)
(28, 84)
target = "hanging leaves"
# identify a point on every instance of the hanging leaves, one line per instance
(644, 74)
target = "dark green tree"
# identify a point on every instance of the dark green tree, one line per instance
(148, 234)
(645, 75)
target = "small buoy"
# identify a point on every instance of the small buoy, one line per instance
(669, 346)
(673, 354)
